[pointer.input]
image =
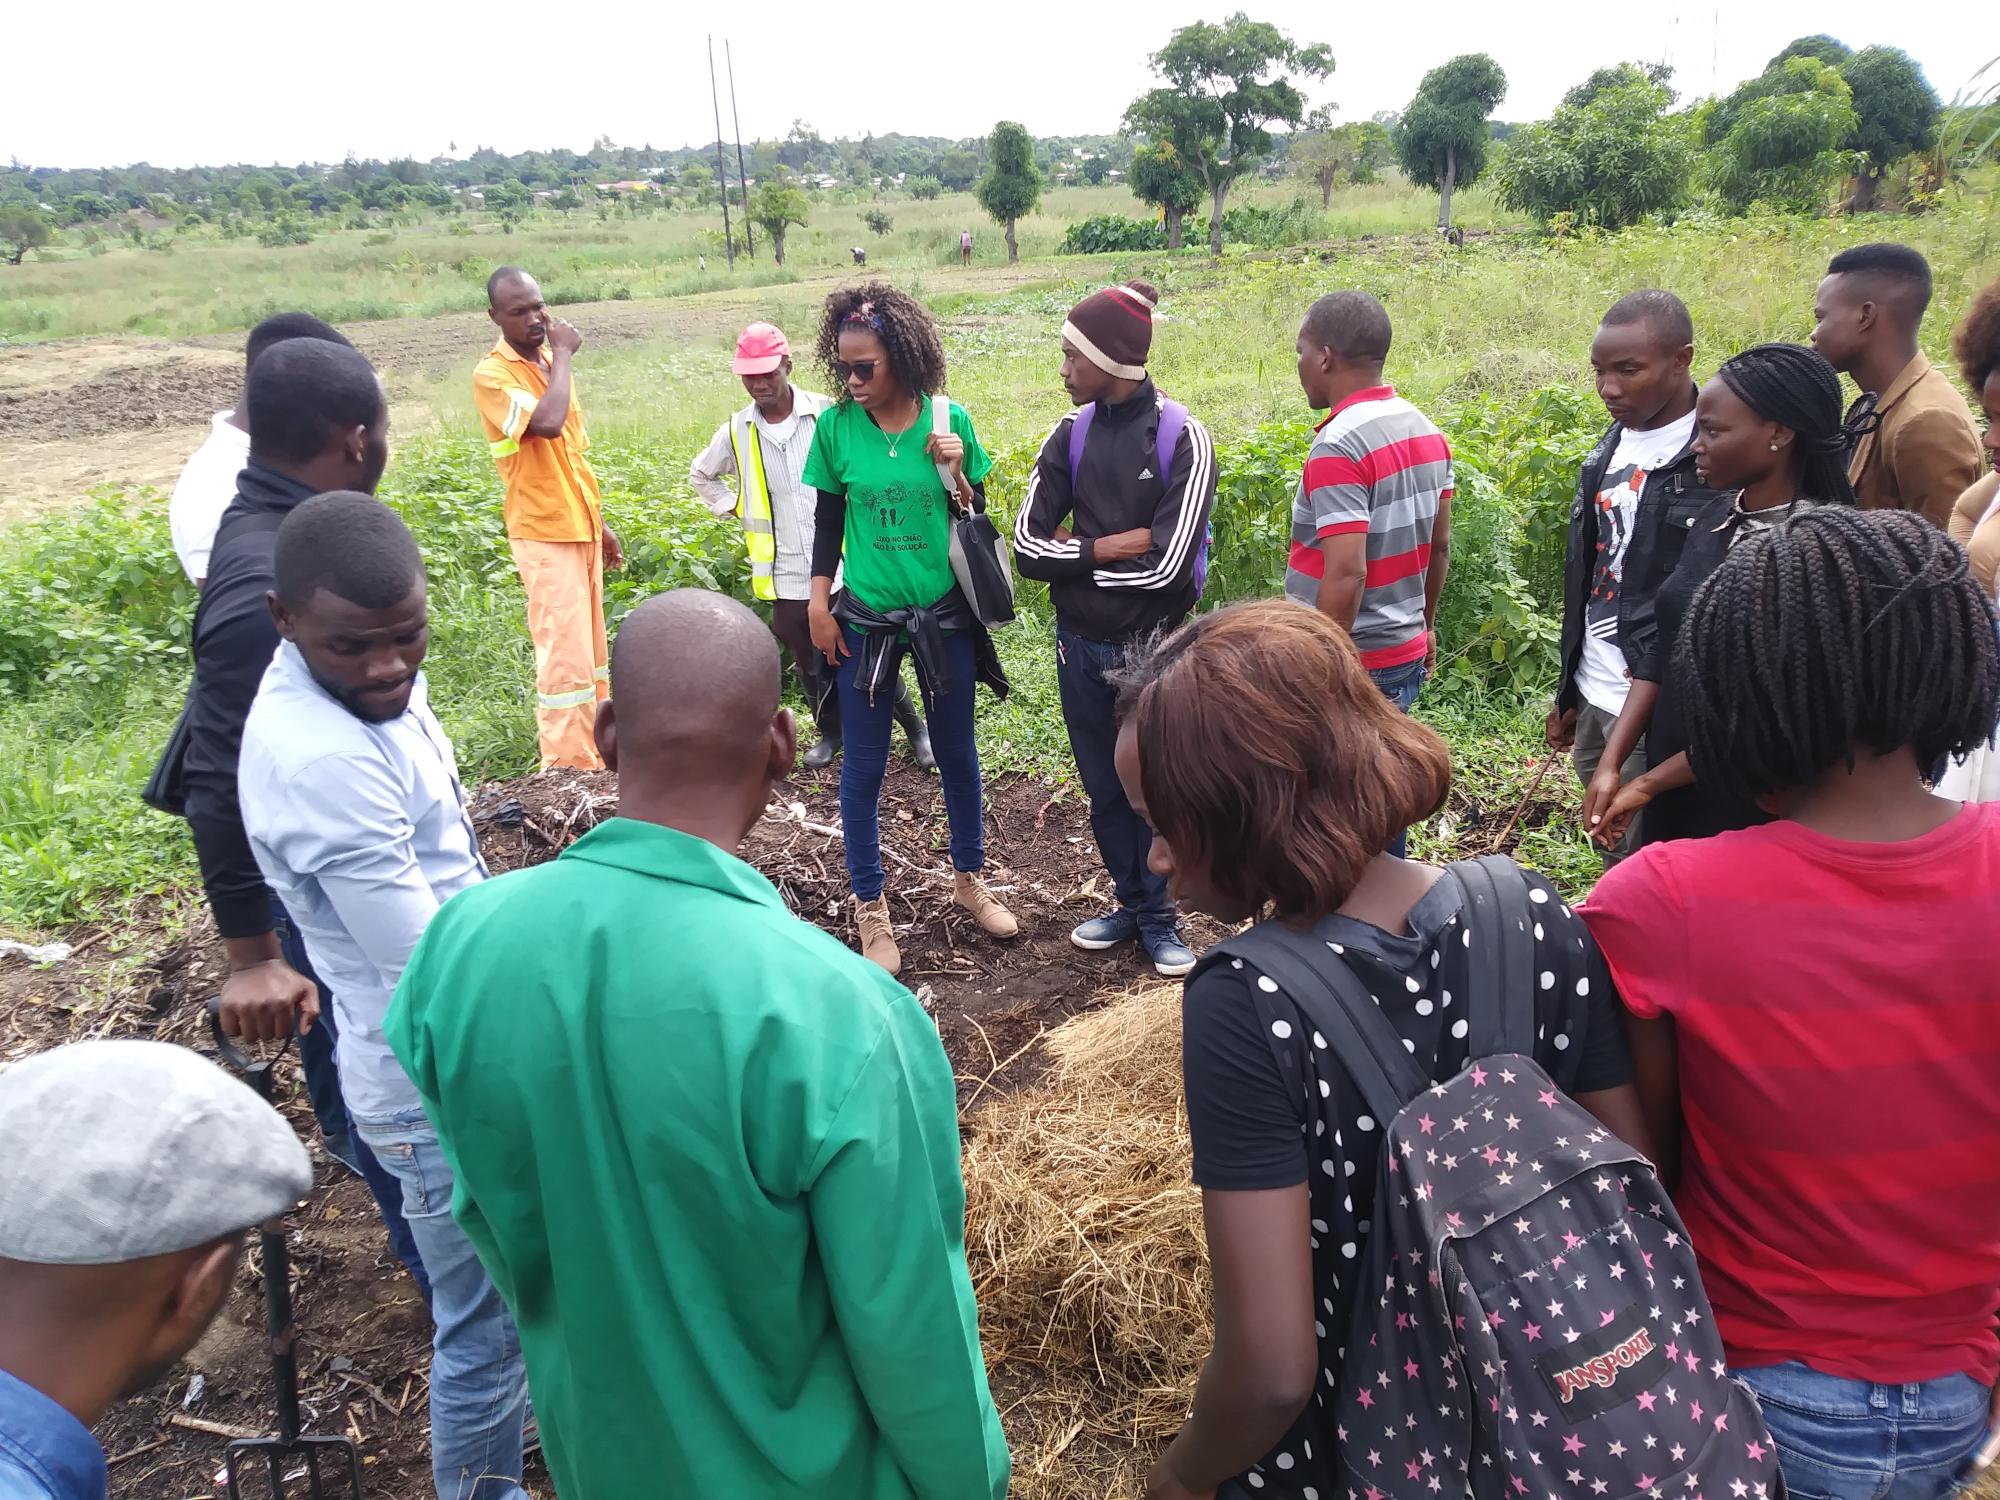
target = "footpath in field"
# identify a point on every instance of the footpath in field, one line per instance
(364, 1343)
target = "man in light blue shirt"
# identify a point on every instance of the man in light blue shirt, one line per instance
(352, 805)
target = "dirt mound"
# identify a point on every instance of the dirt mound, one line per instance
(176, 391)
(364, 1340)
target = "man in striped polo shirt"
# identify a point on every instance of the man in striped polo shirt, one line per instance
(1371, 526)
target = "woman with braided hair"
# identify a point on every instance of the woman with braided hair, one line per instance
(879, 462)
(1768, 435)
(1814, 1007)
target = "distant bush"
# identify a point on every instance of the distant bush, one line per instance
(1104, 234)
(285, 230)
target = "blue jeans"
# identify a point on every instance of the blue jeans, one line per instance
(1400, 685)
(1124, 840)
(316, 1062)
(865, 729)
(479, 1387)
(1842, 1439)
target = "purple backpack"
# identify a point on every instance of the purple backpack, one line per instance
(1529, 1321)
(1173, 418)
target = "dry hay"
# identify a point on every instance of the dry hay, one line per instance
(1084, 1235)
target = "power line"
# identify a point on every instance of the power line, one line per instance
(742, 177)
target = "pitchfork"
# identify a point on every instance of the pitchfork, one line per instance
(275, 1453)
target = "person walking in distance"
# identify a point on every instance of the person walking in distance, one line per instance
(352, 806)
(1636, 499)
(207, 482)
(878, 461)
(715, 1169)
(526, 394)
(764, 445)
(130, 1175)
(1915, 447)
(1371, 526)
(1115, 522)
(318, 421)
(965, 247)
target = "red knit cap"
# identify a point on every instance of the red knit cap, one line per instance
(1113, 329)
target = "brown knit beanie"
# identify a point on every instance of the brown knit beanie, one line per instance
(1113, 329)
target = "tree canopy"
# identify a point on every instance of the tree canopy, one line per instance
(776, 203)
(1224, 84)
(1609, 160)
(1820, 47)
(1443, 139)
(1160, 177)
(1896, 112)
(1335, 154)
(1012, 185)
(1777, 139)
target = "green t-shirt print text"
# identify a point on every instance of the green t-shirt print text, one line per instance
(898, 515)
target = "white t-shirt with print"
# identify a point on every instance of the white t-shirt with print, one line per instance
(1601, 677)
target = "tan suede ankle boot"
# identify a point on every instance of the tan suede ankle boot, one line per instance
(878, 937)
(970, 892)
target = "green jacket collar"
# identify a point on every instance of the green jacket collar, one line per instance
(668, 854)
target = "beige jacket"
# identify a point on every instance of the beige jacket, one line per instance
(1975, 525)
(1924, 453)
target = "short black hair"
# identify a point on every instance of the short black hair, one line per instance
(352, 546)
(1353, 325)
(500, 278)
(279, 327)
(303, 391)
(1662, 312)
(1905, 269)
(1842, 630)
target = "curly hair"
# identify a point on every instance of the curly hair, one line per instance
(1977, 339)
(1266, 749)
(903, 324)
(1842, 629)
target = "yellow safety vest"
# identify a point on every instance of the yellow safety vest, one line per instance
(753, 506)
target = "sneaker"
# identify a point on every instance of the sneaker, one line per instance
(878, 936)
(1171, 957)
(970, 892)
(1107, 931)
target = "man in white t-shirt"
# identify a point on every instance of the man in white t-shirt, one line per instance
(207, 481)
(1635, 501)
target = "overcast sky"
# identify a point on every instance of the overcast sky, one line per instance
(210, 82)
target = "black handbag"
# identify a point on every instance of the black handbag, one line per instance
(979, 559)
(166, 788)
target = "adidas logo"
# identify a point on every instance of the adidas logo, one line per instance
(1145, 473)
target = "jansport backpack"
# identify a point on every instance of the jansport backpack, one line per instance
(1173, 418)
(1529, 1321)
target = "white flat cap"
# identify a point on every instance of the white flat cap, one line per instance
(114, 1151)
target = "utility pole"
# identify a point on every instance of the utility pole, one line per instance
(742, 177)
(721, 163)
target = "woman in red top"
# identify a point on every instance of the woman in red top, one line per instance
(1817, 1014)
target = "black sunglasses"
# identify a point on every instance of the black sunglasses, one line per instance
(865, 368)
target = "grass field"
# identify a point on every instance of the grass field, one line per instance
(1491, 339)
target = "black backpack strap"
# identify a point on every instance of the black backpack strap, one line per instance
(1502, 955)
(1326, 990)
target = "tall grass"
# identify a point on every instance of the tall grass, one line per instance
(1492, 340)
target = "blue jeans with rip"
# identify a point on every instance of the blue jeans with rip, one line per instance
(316, 1062)
(479, 1387)
(1841, 1439)
(1400, 685)
(865, 729)
(1124, 839)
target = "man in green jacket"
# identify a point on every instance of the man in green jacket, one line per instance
(709, 1156)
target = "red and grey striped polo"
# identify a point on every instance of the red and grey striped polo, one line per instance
(1379, 466)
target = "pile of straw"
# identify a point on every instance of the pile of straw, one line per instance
(1085, 1241)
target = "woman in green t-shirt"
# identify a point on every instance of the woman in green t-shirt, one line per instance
(884, 512)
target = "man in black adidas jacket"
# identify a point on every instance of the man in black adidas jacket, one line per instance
(1118, 540)
(318, 422)
(1636, 498)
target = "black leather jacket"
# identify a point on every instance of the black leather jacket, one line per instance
(1668, 505)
